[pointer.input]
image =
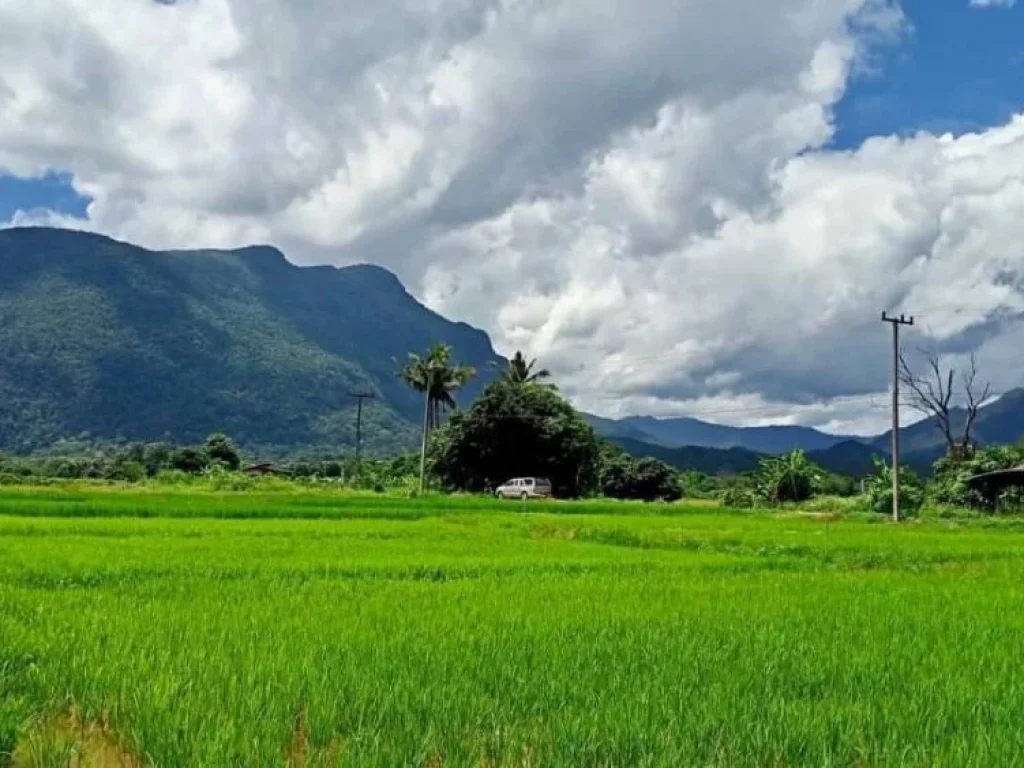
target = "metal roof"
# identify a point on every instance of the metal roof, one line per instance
(1007, 476)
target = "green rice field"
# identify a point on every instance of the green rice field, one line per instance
(159, 627)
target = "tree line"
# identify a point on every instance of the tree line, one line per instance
(522, 426)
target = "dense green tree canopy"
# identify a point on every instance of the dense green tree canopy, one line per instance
(517, 432)
(221, 449)
(623, 477)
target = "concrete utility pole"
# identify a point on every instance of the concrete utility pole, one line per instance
(360, 397)
(896, 322)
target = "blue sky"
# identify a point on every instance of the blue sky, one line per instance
(958, 69)
(53, 191)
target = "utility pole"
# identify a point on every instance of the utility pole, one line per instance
(896, 322)
(360, 397)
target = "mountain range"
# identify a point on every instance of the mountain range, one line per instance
(101, 339)
(691, 443)
(1001, 421)
(679, 432)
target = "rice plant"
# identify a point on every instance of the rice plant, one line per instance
(336, 630)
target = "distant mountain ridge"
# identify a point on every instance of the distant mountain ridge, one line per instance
(682, 432)
(109, 340)
(850, 458)
(1002, 421)
(772, 439)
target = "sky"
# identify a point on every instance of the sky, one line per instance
(679, 207)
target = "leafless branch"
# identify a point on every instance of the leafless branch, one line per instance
(974, 402)
(932, 395)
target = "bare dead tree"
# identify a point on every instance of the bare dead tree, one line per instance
(932, 395)
(973, 401)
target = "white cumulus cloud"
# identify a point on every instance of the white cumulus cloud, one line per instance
(993, 3)
(641, 194)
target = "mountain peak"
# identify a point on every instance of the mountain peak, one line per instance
(262, 253)
(374, 276)
(116, 341)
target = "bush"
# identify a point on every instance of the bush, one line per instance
(831, 504)
(156, 457)
(842, 486)
(190, 460)
(697, 485)
(130, 471)
(739, 498)
(220, 449)
(1011, 501)
(879, 491)
(950, 485)
(792, 477)
(620, 476)
(174, 477)
(218, 478)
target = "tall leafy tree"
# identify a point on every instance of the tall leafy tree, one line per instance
(436, 378)
(517, 431)
(519, 371)
(221, 449)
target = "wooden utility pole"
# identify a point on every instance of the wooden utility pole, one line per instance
(360, 397)
(896, 322)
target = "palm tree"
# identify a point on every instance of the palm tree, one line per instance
(519, 372)
(436, 378)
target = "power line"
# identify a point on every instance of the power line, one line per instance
(669, 356)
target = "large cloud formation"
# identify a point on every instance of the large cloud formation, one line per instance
(639, 193)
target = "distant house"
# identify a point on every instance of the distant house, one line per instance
(991, 484)
(265, 468)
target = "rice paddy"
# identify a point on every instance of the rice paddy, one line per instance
(155, 627)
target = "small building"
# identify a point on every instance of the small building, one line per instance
(991, 484)
(264, 468)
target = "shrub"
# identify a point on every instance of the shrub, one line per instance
(697, 485)
(1011, 501)
(221, 450)
(879, 491)
(218, 478)
(191, 460)
(842, 486)
(950, 486)
(130, 471)
(156, 457)
(620, 476)
(792, 477)
(174, 477)
(739, 498)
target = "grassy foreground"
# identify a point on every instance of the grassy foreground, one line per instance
(320, 629)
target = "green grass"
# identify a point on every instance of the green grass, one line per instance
(211, 629)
